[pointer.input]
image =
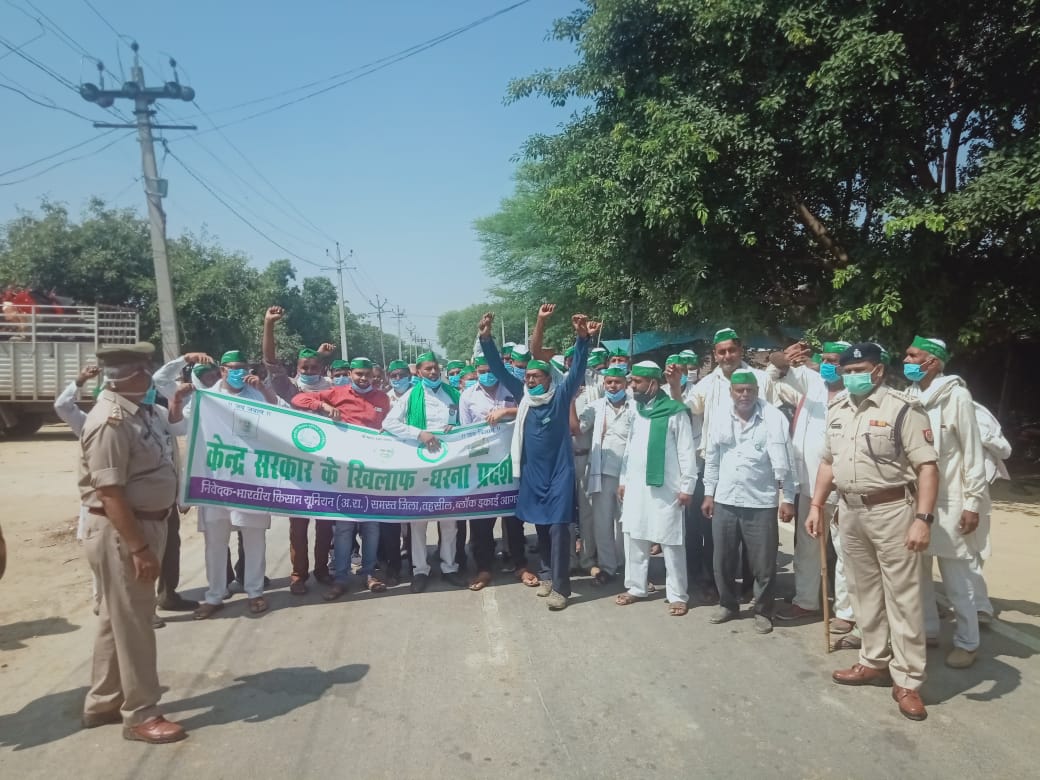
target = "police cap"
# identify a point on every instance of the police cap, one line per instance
(125, 354)
(857, 353)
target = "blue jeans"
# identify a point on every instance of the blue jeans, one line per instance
(343, 546)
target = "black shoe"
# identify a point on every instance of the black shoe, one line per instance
(178, 604)
(420, 582)
(455, 578)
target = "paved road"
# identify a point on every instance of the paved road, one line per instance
(455, 684)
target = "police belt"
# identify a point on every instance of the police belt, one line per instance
(886, 496)
(141, 514)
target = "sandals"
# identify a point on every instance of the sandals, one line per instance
(258, 606)
(334, 592)
(847, 642)
(529, 578)
(601, 578)
(678, 608)
(626, 598)
(205, 610)
(481, 581)
(376, 585)
(298, 588)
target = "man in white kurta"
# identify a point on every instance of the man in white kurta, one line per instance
(658, 477)
(815, 390)
(961, 528)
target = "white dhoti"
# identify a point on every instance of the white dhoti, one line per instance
(637, 569)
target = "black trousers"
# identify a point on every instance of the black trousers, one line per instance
(554, 547)
(700, 549)
(170, 566)
(390, 547)
(460, 544)
(238, 571)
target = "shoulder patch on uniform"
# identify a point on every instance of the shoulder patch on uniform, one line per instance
(902, 395)
(928, 436)
(115, 416)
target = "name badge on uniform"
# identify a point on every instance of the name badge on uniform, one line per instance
(836, 425)
(879, 423)
(547, 420)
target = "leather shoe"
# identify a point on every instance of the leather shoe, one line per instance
(454, 578)
(178, 604)
(156, 731)
(862, 675)
(420, 582)
(91, 720)
(910, 704)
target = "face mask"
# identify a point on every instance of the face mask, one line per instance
(622, 366)
(455, 380)
(149, 396)
(829, 373)
(340, 381)
(519, 371)
(536, 390)
(236, 378)
(642, 398)
(431, 384)
(488, 379)
(858, 384)
(362, 390)
(618, 397)
(309, 379)
(683, 380)
(401, 385)
(913, 372)
(470, 383)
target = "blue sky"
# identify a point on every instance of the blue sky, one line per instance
(396, 165)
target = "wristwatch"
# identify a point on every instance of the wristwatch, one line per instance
(927, 518)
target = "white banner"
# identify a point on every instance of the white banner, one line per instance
(254, 456)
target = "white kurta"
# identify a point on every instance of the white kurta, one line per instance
(654, 513)
(962, 468)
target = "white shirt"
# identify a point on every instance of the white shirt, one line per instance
(167, 377)
(613, 437)
(711, 396)
(476, 403)
(67, 411)
(583, 441)
(744, 462)
(441, 412)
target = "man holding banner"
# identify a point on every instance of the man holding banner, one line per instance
(541, 452)
(428, 407)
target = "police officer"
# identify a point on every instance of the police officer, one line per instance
(878, 446)
(128, 482)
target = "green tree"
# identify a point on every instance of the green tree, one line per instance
(858, 167)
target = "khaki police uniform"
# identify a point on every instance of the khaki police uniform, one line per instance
(873, 468)
(125, 445)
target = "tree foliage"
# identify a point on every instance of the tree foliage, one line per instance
(868, 169)
(106, 258)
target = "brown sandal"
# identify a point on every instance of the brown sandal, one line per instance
(624, 599)
(258, 606)
(205, 610)
(481, 581)
(678, 608)
(847, 642)
(529, 578)
(376, 585)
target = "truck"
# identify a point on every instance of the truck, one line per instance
(43, 348)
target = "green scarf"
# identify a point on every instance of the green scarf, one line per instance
(417, 403)
(663, 408)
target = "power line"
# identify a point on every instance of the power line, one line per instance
(52, 105)
(63, 36)
(230, 208)
(101, 16)
(92, 138)
(366, 70)
(39, 65)
(66, 162)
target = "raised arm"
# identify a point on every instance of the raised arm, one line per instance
(498, 368)
(538, 351)
(268, 346)
(585, 330)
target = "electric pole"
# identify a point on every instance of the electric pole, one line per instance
(154, 187)
(380, 307)
(398, 314)
(340, 268)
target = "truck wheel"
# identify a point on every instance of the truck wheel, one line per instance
(26, 425)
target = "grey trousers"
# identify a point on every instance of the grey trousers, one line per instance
(758, 530)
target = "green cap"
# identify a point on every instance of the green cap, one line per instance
(818, 358)
(467, 370)
(520, 353)
(558, 364)
(597, 358)
(426, 357)
(675, 360)
(935, 347)
(689, 356)
(743, 378)
(306, 354)
(619, 352)
(480, 360)
(569, 352)
(648, 369)
(453, 364)
(361, 362)
(615, 371)
(539, 365)
(233, 356)
(397, 365)
(201, 368)
(339, 365)
(726, 334)
(835, 347)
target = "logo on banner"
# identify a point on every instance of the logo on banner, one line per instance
(308, 437)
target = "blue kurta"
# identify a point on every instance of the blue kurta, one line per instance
(547, 460)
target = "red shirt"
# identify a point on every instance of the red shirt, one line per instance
(367, 410)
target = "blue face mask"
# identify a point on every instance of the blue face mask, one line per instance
(913, 372)
(683, 379)
(414, 381)
(149, 396)
(536, 390)
(622, 366)
(236, 378)
(340, 381)
(362, 390)
(431, 384)
(470, 383)
(618, 397)
(455, 380)
(488, 379)
(401, 385)
(519, 371)
(858, 384)
(829, 373)
(309, 379)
